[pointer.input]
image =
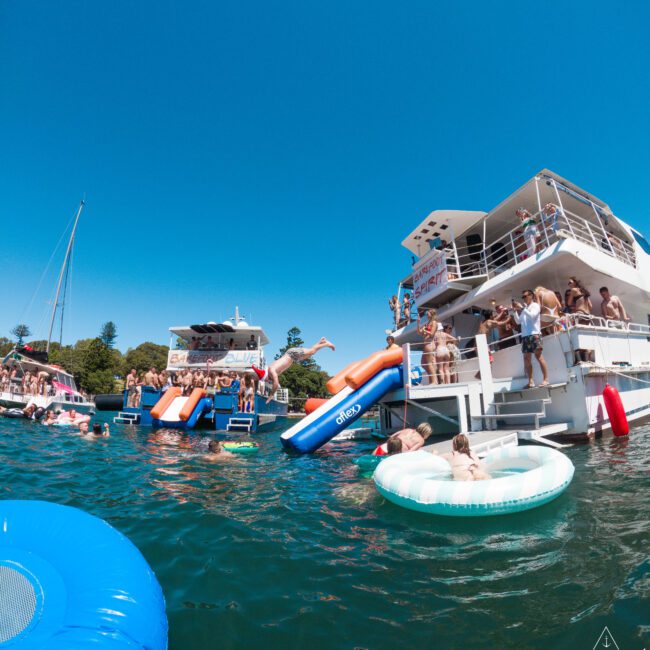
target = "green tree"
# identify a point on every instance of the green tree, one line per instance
(108, 334)
(304, 382)
(145, 356)
(6, 346)
(181, 344)
(97, 367)
(21, 332)
(294, 340)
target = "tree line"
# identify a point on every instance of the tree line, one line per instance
(99, 367)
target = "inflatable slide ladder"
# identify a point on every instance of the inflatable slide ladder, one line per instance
(355, 389)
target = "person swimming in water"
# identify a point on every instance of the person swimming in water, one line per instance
(217, 453)
(291, 356)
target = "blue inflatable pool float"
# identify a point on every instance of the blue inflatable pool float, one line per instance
(523, 478)
(69, 581)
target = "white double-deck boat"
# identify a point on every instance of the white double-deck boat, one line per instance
(467, 262)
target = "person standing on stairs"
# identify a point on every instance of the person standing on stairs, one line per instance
(528, 316)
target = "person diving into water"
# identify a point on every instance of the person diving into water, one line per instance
(291, 356)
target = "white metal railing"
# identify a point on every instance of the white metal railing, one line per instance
(461, 367)
(510, 248)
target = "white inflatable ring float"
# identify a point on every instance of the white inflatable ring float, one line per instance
(422, 481)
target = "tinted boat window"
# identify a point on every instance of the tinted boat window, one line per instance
(642, 241)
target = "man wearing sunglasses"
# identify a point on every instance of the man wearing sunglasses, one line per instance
(528, 316)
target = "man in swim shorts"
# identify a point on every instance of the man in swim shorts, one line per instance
(291, 356)
(528, 316)
(612, 307)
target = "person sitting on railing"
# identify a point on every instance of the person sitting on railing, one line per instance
(579, 301)
(394, 306)
(550, 214)
(528, 317)
(611, 307)
(427, 332)
(531, 233)
(550, 307)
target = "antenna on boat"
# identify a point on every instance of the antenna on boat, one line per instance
(62, 274)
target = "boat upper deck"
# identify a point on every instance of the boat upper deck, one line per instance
(458, 251)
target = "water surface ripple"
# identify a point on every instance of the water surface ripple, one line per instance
(278, 551)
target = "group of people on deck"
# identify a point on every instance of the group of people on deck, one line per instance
(212, 381)
(12, 380)
(208, 343)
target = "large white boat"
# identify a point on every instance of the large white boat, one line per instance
(230, 347)
(467, 262)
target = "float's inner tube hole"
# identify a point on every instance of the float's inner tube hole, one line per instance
(17, 602)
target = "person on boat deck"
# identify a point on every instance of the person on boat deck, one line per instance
(195, 343)
(151, 378)
(465, 464)
(406, 309)
(131, 385)
(530, 234)
(208, 344)
(291, 356)
(578, 299)
(186, 382)
(612, 307)
(231, 344)
(217, 453)
(506, 327)
(551, 213)
(528, 316)
(550, 308)
(251, 344)
(390, 343)
(394, 306)
(427, 332)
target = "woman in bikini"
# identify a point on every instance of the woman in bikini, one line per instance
(550, 309)
(443, 354)
(465, 464)
(427, 332)
(578, 300)
(291, 356)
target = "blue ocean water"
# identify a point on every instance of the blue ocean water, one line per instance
(279, 551)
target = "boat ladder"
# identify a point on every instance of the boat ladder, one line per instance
(239, 424)
(126, 417)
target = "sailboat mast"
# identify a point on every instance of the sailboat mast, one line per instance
(66, 259)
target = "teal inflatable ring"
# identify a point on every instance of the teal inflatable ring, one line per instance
(241, 447)
(422, 481)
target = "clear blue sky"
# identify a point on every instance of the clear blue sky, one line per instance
(274, 155)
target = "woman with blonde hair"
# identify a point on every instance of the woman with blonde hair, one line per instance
(465, 464)
(428, 332)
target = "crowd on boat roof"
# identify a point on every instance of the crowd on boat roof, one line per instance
(208, 343)
(18, 382)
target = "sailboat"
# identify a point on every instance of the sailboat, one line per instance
(58, 390)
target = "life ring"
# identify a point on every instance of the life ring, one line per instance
(615, 411)
(75, 582)
(422, 481)
(241, 447)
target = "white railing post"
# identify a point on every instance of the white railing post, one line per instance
(593, 237)
(512, 244)
(485, 368)
(541, 213)
(559, 203)
(406, 368)
(453, 243)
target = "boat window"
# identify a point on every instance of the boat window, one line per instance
(642, 241)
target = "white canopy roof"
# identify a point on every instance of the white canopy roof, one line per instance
(445, 224)
(221, 332)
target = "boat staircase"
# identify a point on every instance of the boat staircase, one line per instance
(239, 424)
(127, 417)
(523, 410)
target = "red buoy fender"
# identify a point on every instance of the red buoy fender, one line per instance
(615, 411)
